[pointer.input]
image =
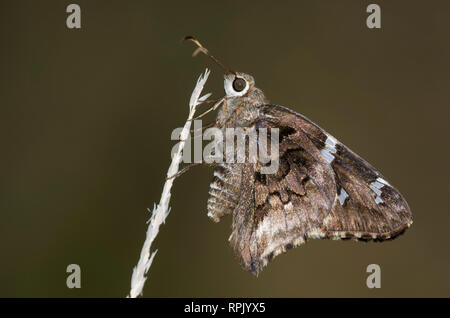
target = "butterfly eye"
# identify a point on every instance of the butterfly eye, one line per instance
(239, 84)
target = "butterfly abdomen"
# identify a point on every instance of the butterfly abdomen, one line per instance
(224, 191)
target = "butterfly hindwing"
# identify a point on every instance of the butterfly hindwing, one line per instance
(276, 212)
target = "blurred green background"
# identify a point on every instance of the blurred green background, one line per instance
(86, 117)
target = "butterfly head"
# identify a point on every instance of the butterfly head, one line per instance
(237, 85)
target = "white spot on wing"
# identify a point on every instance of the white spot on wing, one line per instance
(383, 181)
(331, 141)
(328, 156)
(342, 196)
(330, 147)
(377, 184)
(376, 187)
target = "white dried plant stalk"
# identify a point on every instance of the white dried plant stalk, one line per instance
(161, 211)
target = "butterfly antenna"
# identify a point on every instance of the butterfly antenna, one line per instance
(202, 49)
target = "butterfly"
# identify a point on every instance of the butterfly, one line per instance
(321, 190)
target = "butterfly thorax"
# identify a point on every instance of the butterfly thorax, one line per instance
(237, 111)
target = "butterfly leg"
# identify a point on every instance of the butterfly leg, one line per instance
(186, 168)
(217, 104)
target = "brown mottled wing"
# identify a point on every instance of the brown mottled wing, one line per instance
(321, 190)
(275, 212)
(366, 205)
